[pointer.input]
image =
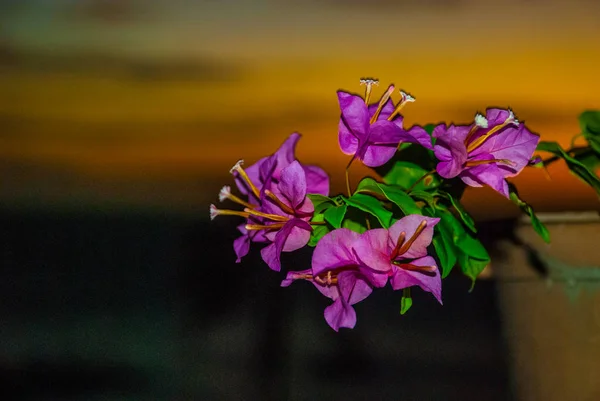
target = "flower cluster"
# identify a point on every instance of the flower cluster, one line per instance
(407, 227)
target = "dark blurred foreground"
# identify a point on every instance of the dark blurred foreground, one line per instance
(140, 306)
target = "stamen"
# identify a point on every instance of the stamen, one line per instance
(279, 202)
(369, 82)
(509, 120)
(226, 194)
(238, 167)
(255, 227)
(214, 212)
(480, 122)
(406, 246)
(472, 163)
(399, 244)
(386, 96)
(406, 98)
(269, 216)
(328, 280)
(414, 268)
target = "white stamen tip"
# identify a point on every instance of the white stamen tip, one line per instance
(225, 193)
(214, 212)
(236, 166)
(369, 81)
(407, 97)
(511, 118)
(481, 121)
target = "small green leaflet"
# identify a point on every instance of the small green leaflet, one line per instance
(335, 215)
(538, 226)
(406, 301)
(318, 230)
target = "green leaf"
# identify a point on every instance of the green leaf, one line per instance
(400, 199)
(538, 226)
(372, 206)
(406, 174)
(444, 246)
(320, 202)
(406, 301)
(335, 215)
(466, 218)
(589, 121)
(473, 257)
(354, 220)
(318, 230)
(427, 197)
(576, 167)
(368, 184)
(588, 157)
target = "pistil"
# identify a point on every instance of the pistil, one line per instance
(415, 268)
(256, 227)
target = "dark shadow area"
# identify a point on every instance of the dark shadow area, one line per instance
(124, 305)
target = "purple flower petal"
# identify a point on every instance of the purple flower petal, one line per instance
(285, 155)
(381, 144)
(353, 287)
(241, 246)
(293, 231)
(486, 174)
(354, 114)
(374, 248)
(408, 225)
(450, 149)
(317, 180)
(293, 184)
(515, 144)
(431, 283)
(290, 277)
(334, 250)
(417, 135)
(340, 314)
(347, 140)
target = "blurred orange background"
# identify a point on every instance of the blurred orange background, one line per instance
(149, 103)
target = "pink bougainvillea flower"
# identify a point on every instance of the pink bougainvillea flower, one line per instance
(280, 217)
(338, 274)
(372, 133)
(487, 152)
(401, 253)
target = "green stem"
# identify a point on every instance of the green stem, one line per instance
(347, 176)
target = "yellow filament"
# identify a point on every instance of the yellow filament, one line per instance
(480, 162)
(399, 244)
(266, 215)
(406, 246)
(255, 227)
(232, 213)
(382, 102)
(479, 141)
(411, 267)
(242, 172)
(279, 203)
(240, 201)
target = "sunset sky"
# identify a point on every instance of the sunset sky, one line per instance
(149, 102)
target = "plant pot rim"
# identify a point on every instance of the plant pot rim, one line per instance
(579, 217)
